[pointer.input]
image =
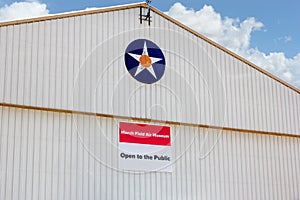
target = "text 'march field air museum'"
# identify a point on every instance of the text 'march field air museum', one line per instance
(114, 103)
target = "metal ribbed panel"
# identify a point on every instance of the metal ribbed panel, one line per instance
(77, 63)
(46, 155)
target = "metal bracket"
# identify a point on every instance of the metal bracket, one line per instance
(147, 16)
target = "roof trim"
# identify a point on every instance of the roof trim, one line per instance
(73, 14)
(36, 108)
(143, 4)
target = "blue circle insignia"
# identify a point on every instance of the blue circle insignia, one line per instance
(145, 61)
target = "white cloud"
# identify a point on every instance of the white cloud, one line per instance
(230, 32)
(236, 36)
(288, 75)
(91, 8)
(285, 39)
(21, 10)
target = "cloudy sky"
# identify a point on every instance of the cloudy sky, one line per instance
(265, 32)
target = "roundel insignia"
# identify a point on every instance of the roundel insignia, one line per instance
(145, 61)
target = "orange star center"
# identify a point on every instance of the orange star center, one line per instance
(145, 61)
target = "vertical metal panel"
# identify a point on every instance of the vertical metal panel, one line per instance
(2, 60)
(78, 63)
(295, 114)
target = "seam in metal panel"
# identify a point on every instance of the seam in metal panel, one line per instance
(145, 119)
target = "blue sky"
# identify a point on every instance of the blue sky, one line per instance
(274, 38)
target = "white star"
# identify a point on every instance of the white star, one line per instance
(145, 61)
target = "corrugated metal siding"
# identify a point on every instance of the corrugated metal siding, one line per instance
(46, 155)
(78, 63)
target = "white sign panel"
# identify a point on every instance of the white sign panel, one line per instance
(144, 147)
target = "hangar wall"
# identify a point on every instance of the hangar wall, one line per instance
(77, 63)
(64, 89)
(52, 155)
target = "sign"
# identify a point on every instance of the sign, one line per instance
(144, 147)
(145, 61)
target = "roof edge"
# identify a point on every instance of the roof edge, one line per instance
(143, 4)
(72, 14)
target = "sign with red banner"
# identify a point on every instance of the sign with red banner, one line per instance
(144, 147)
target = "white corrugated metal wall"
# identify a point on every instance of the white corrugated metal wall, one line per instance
(50, 155)
(77, 63)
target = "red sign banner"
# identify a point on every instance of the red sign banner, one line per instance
(144, 134)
